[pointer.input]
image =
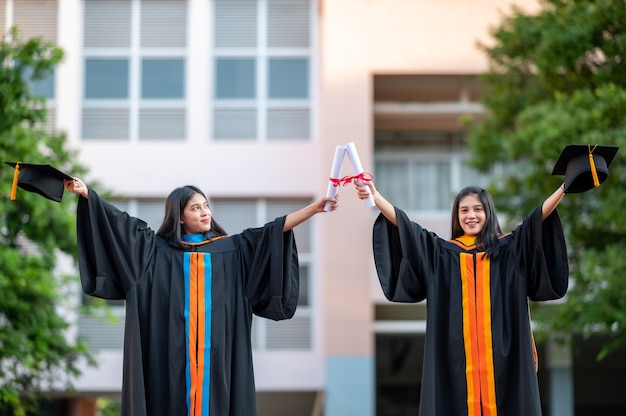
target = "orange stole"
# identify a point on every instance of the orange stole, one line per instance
(477, 336)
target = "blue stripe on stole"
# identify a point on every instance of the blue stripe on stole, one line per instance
(208, 278)
(186, 265)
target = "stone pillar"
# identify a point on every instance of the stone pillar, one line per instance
(561, 378)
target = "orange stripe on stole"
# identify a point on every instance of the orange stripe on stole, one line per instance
(532, 339)
(485, 337)
(477, 335)
(469, 334)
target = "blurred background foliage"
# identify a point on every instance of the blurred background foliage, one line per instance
(558, 77)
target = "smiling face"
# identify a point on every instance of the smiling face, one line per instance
(196, 217)
(471, 213)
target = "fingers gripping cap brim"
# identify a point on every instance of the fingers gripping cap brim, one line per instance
(44, 180)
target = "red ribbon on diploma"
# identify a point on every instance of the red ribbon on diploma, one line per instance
(364, 176)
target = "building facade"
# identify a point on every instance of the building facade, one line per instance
(247, 99)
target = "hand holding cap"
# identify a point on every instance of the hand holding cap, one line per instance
(44, 180)
(584, 166)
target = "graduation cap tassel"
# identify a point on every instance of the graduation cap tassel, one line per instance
(592, 164)
(16, 174)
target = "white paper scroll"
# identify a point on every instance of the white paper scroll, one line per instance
(335, 172)
(358, 170)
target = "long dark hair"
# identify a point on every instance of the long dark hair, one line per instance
(487, 238)
(171, 229)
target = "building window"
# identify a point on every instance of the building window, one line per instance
(262, 69)
(135, 59)
(426, 172)
(32, 19)
(416, 183)
(236, 215)
(106, 79)
(288, 78)
(43, 87)
(163, 78)
(235, 78)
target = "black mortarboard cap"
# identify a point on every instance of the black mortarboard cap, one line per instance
(45, 180)
(584, 166)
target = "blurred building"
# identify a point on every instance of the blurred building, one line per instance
(248, 99)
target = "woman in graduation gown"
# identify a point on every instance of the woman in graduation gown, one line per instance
(190, 293)
(480, 357)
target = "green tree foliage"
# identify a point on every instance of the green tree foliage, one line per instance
(35, 352)
(558, 77)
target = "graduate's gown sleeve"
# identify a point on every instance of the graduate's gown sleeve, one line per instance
(404, 256)
(542, 255)
(115, 251)
(272, 278)
(114, 248)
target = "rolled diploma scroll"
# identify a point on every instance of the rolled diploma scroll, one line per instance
(335, 171)
(358, 169)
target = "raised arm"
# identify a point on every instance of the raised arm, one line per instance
(552, 202)
(76, 186)
(298, 217)
(385, 207)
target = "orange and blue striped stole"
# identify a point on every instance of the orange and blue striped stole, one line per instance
(197, 276)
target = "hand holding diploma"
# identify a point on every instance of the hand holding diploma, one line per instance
(336, 180)
(360, 174)
(367, 190)
(335, 171)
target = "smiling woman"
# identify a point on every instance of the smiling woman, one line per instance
(190, 292)
(196, 216)
(471, 214)
(479, 356)
(474, 219)
(187, 213)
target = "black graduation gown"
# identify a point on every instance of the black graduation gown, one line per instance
(188, 311)
(480, 353)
